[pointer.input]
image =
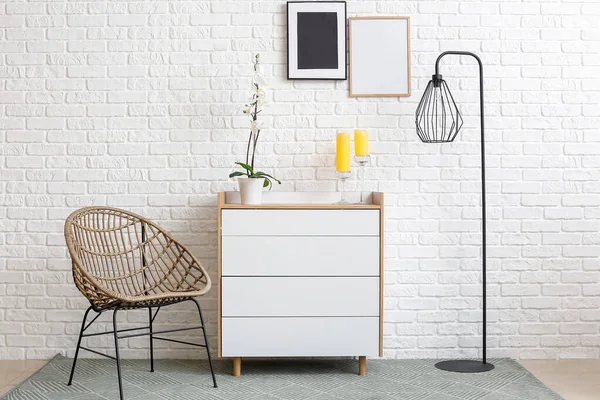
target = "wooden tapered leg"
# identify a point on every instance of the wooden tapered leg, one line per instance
(362, 365)
(237, 366)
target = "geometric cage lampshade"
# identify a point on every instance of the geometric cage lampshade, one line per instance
(437, 117)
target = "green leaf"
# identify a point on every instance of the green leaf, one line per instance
(236, 173)
(266, 180)
(246, 167)
(267, 176)
(270, 183)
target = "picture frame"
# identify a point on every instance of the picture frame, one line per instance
(317, 40)
(379, 56)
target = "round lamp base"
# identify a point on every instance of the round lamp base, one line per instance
(464, 366)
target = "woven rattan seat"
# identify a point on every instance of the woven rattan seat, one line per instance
(122, 258)
(122, 261)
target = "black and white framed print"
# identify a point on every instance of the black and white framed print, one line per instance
(317, 40)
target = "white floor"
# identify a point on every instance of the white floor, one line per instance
(572, 379)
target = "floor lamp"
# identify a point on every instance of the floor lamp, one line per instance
(438, 121)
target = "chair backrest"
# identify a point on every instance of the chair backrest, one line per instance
(127, 254)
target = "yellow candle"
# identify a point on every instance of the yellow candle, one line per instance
(342, 152)
(361, 143)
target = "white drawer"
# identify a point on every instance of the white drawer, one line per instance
(300, 256)
(300, 296)
(300, 337)
(300, 222)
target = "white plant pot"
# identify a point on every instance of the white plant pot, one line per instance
(251, 190)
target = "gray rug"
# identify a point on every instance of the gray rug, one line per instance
(95, 379)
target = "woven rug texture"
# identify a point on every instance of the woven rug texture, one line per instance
(96, 379)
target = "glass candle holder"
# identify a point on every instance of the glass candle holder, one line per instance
(362, 162)
(343, 176)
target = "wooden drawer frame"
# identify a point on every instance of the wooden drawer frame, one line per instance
(376, 204)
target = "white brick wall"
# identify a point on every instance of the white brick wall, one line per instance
(138, 105)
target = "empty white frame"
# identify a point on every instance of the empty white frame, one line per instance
(379, 56)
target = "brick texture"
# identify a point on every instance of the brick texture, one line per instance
(138, 105)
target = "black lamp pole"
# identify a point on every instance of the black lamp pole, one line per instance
(439, 121)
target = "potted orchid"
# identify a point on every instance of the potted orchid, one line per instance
(251, 181)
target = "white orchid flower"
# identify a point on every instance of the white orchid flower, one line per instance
(261, 81)
(256, 126)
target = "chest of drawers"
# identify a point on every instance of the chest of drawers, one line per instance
(299, 276)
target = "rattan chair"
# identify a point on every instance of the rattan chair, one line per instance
(123, 261)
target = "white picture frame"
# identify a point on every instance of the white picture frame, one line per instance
(379, 56)
(297, 40)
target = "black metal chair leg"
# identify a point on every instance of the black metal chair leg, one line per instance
(206, 342)
(151, 340)
(117, 353)
(78, 344)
